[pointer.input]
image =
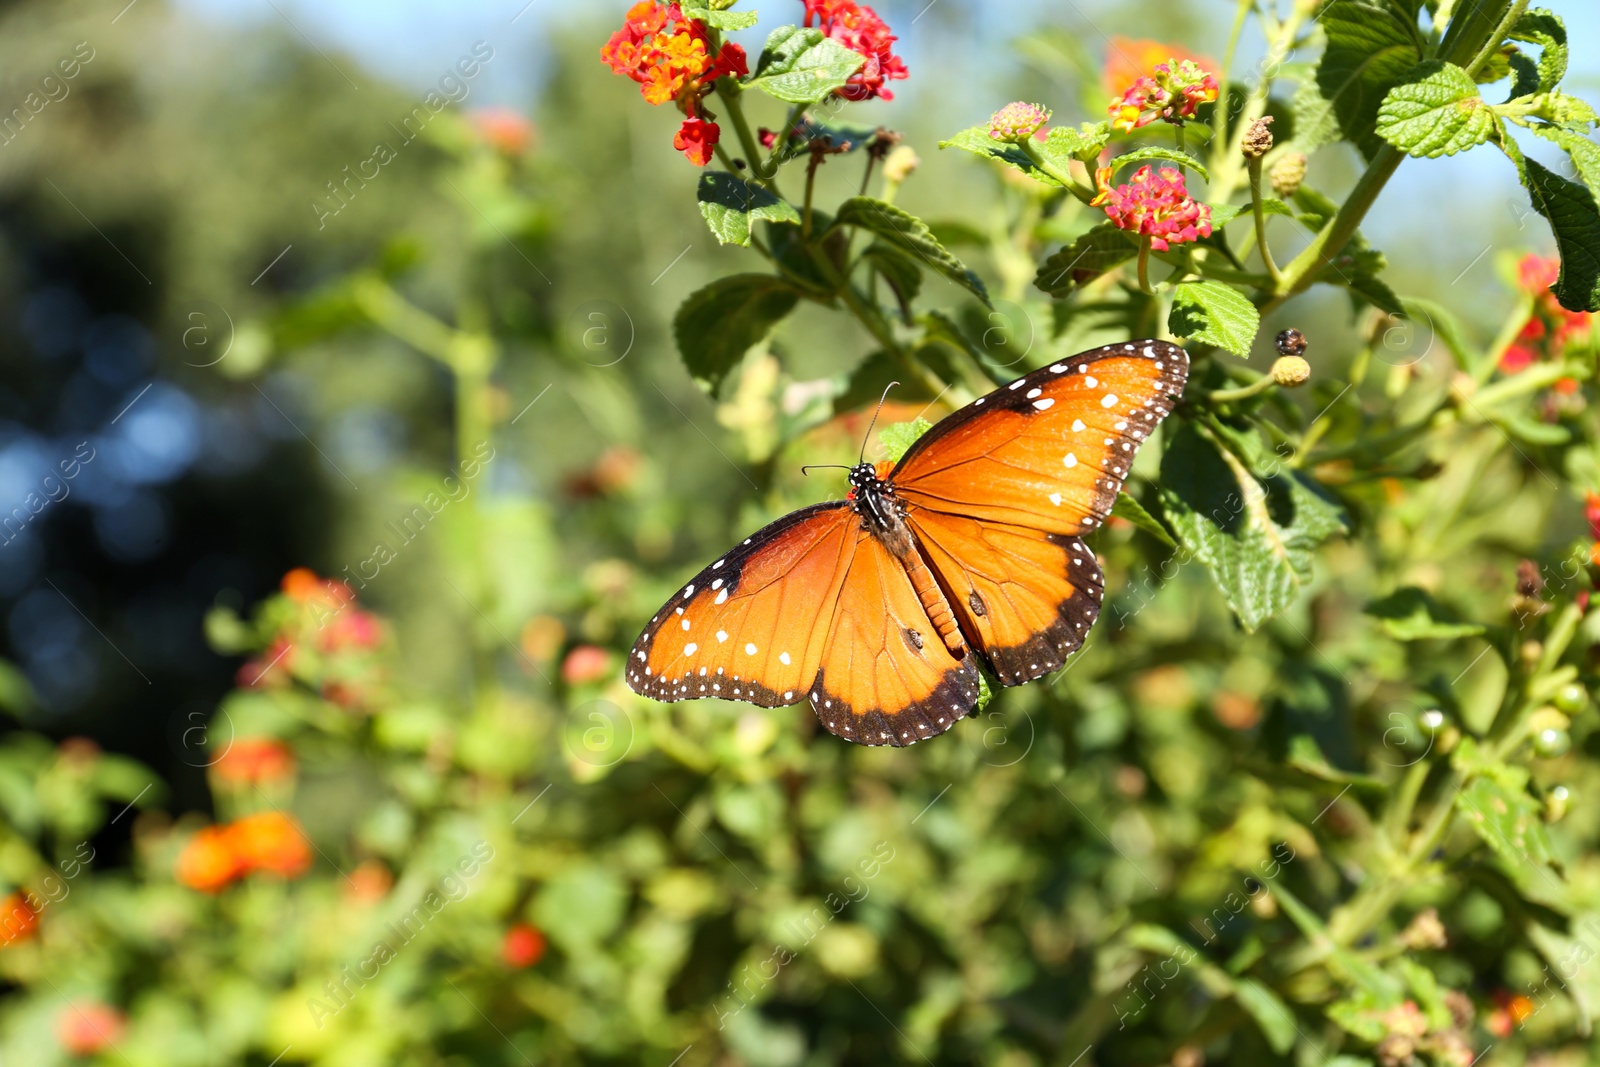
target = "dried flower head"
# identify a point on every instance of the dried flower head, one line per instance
(1258, 138)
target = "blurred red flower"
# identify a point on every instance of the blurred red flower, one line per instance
(523, 945)
(504, 130)
(255, 760)
(858, 28)
(586, 663)
(369, 883)
(1551, 327)
(84, 1029)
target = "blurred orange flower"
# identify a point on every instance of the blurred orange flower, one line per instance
(523, 945)
(369, 883)
(1129, 59)
(18, 920)
(271, 841)
(504, 130)
(84, 1029)
(542, 636)
(586, 663)
(208, 861)
(254, 760)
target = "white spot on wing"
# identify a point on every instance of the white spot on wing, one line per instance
(783, 658)
(1070, 459)
(1055, 498)
(1109, 400)
(1044, 405)
(750, 650)
(1077, 426)
(722, 635)
(690, 648)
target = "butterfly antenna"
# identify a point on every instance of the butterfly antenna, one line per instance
(868, 436)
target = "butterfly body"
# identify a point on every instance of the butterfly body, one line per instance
(876, 608)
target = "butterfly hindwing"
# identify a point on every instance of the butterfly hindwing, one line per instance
(1025, 598)
(1051, 450)
(753, 625)
(886, 677)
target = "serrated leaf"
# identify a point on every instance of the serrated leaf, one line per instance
(1544, 28)
(1585, 153)
(1084, 260)
(716, 325)
(1256, 535)
(1216, 314)
(898, 437)
(1436, 112)
(1410, 614)
(1574, 218)
(976, 140)
(1085, 143)
(904, 230)
(1370, 48)
(1126, 507)
(1164, 155)
(801, 66)
(729, 203)
(1374, 290)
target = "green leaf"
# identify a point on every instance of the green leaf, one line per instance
(1444, 325)
(1437, 112)
(904, 230)
(955, 232)
(1573, 216)
(801, 66)
(898, 437)
(1256, 535)
(1165, 155)
(1371, 47)
(1216, 314)
(1269, 1011)
(1502, 813)
(1544, 28)
(1584, 152)
(1084, 144)
(976, 139)
(716, 325)
(899, 269)
(1410, 614)
(1371, 288)
(722, 20)
(1084, 260)
(728, 203)
(1126, 507)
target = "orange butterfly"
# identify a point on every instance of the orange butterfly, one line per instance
(871, 607)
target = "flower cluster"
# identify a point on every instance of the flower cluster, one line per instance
(268, 841)
(670, 57)
(255, 761)
(1172, 92)
(1156, 206)
(1018, 121)
(316, 634)
(1551, 327)
(859, 29)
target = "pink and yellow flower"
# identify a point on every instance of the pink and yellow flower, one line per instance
(1157, 206)
(1173, 91)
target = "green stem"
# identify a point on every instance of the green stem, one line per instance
(1333, 236)
(1073, 186)
(1260, 212)
(1260, 385)
(1225, 175)
(1219, 115)
(752, 150)
(1144, 266)
(811, 181)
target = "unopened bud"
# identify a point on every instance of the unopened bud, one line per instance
(1258, 138)
(1291, 371)
(1018, 121)
(1287, 174)
(900, 163)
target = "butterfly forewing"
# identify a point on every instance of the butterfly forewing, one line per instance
(887, 678)
(1051, 450)
(754, 624)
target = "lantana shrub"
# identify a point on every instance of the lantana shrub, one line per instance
(1318, 789)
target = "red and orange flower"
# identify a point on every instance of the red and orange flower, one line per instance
(669, 56)
(268, 841)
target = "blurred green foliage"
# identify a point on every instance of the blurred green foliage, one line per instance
(1320, 799)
